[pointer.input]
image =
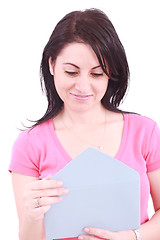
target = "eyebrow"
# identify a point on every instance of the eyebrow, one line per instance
(71, 65)
(79, 67)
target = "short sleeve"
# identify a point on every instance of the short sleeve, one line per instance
(23, 158)
(153, 156)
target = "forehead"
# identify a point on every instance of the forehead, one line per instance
(78, 53)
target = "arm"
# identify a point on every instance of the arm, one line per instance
(149, 230)
(31, 218)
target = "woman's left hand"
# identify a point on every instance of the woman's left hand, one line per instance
(96, 234)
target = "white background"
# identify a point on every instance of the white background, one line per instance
(25, 27)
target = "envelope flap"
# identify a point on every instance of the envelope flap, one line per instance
(93, 167)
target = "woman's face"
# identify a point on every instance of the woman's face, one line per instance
(78, 77)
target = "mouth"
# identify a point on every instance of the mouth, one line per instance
(79, 97)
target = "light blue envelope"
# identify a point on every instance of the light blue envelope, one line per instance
(103, 193)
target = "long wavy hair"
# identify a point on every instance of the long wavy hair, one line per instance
(92, 27)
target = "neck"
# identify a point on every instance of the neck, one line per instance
(82, 120)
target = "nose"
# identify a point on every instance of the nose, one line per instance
(83, 84)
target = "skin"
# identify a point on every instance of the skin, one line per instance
(81, 84)
(79, 79)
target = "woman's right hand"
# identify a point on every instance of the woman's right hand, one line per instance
(39, 195)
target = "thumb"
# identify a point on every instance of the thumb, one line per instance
(48, 177)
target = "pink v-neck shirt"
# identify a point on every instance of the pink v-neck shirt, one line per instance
(38, 152)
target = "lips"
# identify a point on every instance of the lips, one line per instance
(83, 97)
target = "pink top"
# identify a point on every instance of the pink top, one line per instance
(38, 152)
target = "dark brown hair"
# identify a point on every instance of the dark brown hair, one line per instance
(92, 27)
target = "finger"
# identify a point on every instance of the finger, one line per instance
(44, 184)
(99, 232)
(50, 192)
(48, 177)
(46, 201)
(39, 212)
(88, 237)
(49, 200)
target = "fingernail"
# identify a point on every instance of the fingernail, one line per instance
(86, 229)
(59, 199)
(80, 237)
(59, 183)
(66, 190)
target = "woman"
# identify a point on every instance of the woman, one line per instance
(85, 75)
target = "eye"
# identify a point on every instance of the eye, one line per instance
(96, 75)
(72, 74)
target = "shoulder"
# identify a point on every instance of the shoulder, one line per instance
(141, 128)
(34, 135)
(37, 131)
(139, 121)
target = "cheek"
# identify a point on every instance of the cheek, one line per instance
(103, 87)
(58, 86)
(61, 86)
